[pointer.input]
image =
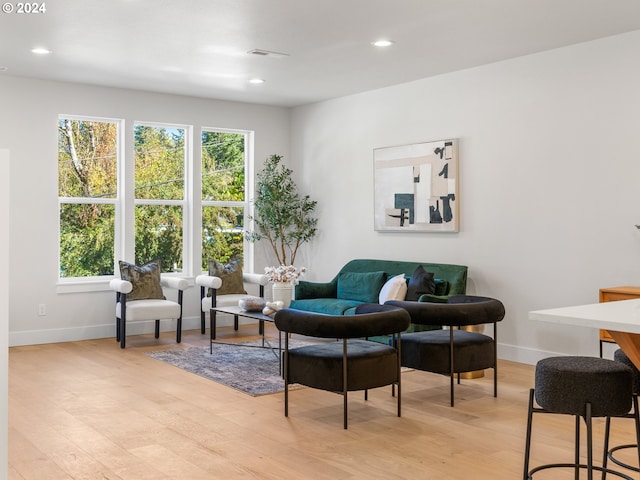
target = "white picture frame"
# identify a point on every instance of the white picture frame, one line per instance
(416, 187)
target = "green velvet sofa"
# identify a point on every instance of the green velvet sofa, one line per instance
(338, 298)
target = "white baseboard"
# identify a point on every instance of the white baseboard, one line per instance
(514, 353)
(528, 356)
(74, 334)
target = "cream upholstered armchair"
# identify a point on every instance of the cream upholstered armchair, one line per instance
(140, 297)
(224, 286)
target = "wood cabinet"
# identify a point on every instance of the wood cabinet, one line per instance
(611, 295)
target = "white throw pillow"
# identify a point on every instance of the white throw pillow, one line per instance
(394, 289)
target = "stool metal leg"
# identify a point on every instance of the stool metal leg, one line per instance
(608, 453)
(527, 446)
(605, 457)
(589, 445)
(528, 474)
(576, 450)
(636, 415)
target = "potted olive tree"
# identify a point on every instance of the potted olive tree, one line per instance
(284, 218)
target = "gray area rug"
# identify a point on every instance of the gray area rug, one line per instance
(254, 371)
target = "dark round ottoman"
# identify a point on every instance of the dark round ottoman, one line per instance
(585, 387)
(620, 356)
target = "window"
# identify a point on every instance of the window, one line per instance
(160, 161)
(142, 205)
(88, 157)
(224, 165)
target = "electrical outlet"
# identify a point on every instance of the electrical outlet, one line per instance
(42, 309)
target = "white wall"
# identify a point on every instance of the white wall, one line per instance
(549, 181)
(30, 109)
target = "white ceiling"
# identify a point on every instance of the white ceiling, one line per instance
(199, 47)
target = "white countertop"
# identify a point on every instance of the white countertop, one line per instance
(620, 316)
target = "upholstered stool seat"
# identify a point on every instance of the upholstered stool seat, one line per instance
(620, 356)
(585, 387)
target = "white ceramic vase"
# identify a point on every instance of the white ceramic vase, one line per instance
(283, 291)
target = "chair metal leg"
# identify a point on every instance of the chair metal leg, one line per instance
(399, 354)
(495, 359)
(123, 331)
(286, 375)
(123, 319)
(344, 379)
(179, 322)
(451, 366)
(202, 325)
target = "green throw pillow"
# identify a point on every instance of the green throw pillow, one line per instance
(361, 287)
(231, 275)
(145, 280)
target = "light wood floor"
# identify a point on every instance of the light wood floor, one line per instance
(89, 410)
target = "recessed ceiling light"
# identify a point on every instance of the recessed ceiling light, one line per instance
(256, 80)
(3, 69)
(382, 43)
(40, 51)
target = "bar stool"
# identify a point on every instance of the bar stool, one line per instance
(584, 387)
(620, 356)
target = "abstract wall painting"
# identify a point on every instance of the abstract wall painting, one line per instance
(416, 187)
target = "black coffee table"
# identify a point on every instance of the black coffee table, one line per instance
(236, 311)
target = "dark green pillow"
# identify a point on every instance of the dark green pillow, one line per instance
(361, 287)
(231, 275)
(145, 280)
(421, 282)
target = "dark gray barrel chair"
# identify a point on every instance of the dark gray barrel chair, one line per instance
(452, 351)
(349, 364)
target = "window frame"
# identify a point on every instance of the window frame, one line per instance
(247, 247)
(124, 201)
(187, 196)
(72, 283)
